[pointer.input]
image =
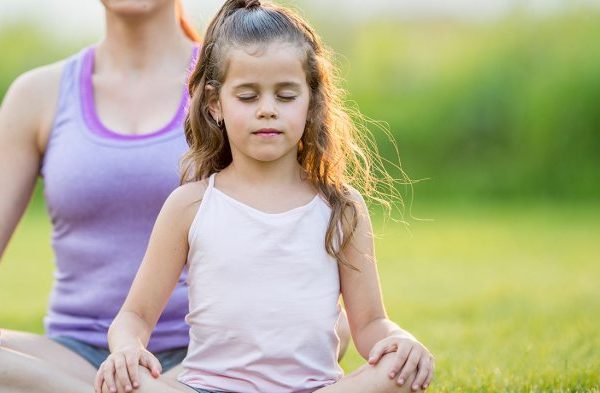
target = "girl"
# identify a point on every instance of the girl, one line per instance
(269, 228)
(110, 117)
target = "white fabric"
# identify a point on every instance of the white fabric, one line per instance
(263, 298)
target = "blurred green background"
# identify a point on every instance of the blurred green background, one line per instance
(501, 118)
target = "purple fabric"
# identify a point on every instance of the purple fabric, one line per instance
(103, 192)
(89, 109)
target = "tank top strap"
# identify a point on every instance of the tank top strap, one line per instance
(211, 181)
(68, 109)
(203, 206)
(68, 85)
(208, 191)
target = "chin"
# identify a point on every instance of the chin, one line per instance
(267, 157)
(133, 7)
(269, 153)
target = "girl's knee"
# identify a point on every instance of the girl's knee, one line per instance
(166, 383)
(379, 381)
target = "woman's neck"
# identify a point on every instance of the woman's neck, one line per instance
(152, 42)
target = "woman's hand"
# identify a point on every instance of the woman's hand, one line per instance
(121, 368)
(410, 355)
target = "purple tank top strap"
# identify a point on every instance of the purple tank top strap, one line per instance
(89, 108)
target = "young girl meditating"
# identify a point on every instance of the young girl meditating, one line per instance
(269, 227)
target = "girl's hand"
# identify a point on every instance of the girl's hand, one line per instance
(410, 355)
(122, 366)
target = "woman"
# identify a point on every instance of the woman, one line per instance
(111, 114)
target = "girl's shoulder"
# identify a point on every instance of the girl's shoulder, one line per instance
(355, 197)
(181, 206)
(189, 194)
(360, 207)
(354, 194)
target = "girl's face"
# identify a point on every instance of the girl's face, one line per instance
(264, 101)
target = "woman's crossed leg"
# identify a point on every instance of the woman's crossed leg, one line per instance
(32, 363)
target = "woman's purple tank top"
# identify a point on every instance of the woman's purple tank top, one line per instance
(103, 192)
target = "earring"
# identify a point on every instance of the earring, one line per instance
(219, 121)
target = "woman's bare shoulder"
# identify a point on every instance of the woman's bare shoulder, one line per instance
(39, 84)
(31, 100)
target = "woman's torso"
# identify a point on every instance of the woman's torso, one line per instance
(103, 191)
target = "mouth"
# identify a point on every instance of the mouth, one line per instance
(267, 132)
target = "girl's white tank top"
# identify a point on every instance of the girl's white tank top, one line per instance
(263, 298)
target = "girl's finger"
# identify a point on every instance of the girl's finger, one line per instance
(105, 388)
(151, 363)
(109, 379)
(98, 380)
(376, 353)
(430, 375)
(132, 361)
(400, 358)
(122, 374)
(409, 366)
(424, 368)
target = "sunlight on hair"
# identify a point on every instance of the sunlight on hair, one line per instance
(337, 150)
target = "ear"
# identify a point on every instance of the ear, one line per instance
(214, 105)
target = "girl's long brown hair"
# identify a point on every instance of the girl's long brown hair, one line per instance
(335, 150)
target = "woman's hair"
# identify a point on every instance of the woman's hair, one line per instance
(335, 151)
(186, 26)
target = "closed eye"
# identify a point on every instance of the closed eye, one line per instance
(247, 98)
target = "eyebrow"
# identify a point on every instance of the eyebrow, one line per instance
(279, 85)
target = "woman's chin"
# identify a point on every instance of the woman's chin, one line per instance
(133, 8)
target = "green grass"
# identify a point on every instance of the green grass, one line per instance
(505, 296)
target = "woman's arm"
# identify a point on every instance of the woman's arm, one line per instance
(373, 333)
(26, 117)
(155, 280)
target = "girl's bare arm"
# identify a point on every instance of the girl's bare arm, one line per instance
(156, 278)
(373, 333)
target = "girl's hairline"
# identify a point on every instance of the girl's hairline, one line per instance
(300, 46)
(217, 44)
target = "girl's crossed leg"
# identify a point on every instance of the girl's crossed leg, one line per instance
(166, 383)
(371, 379)
(367, 379)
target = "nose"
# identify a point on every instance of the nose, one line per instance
(267, 109)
